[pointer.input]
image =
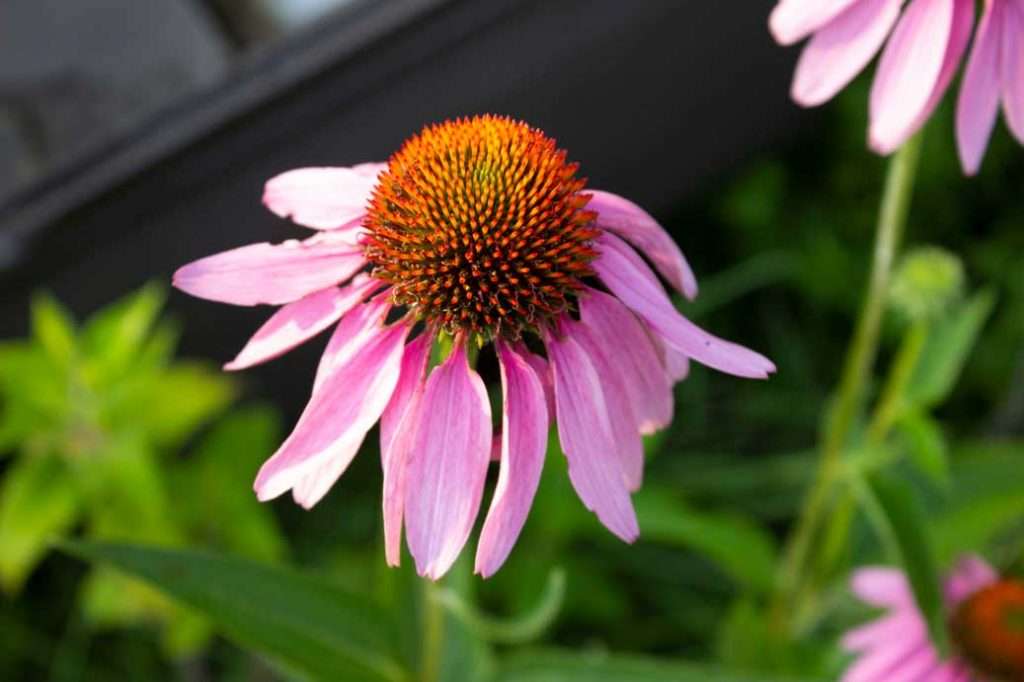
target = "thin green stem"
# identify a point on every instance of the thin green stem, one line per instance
(857, 371)
(891, 405)
(433, 633)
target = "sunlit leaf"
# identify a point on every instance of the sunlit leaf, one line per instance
(113, 337)
(53, 328)
(38, 501)
(303, 623)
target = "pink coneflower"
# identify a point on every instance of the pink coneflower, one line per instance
(926, 42)
(476, 232)
(986, 624)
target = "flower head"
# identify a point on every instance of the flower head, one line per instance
(924, 43)
(479, 232)
(985, 616)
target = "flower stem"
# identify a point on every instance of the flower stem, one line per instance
(433, 632)
(857, 371)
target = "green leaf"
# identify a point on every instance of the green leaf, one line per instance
(743, 550)
(900, 519)
(305, 624)
(114, 336)
(38, 501)
(566, 666)
(926, 447)
(53, 328)
(948, 346)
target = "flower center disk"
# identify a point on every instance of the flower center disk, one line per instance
(480, 226)
(988, 629)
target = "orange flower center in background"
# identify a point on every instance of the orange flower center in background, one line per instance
(988, 629)
(480, 226)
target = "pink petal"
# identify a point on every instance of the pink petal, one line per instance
(628, 446)
(793, 20)
(342, 409)
(1013, 67)
(270, 273)
(300, 321)
(909, 72)
(921, 666)
(322, 198)
(902, 623)
(524, 440)
(585, 433)
(397, 433)
(978, 104)
(970, 574)
(878, 664)
(448, 465)
(636, 226)
(629, 278)
(543, 371)
(357, 327)
(882, 587)
(647, 386)
(841, 50)
(677, 365)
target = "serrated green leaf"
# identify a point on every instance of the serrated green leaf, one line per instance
(899, 517)
(38, 501)
(53, 328)
(948, 346)
(566, 666)
(737, 545)
(926, 446)
(305, 624)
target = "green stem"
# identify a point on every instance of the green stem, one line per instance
(857, 371)
(433, 632)
(891, 405)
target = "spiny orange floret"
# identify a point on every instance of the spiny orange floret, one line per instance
(988, 629)
(480, 226)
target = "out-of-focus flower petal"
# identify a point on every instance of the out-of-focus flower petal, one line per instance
(1013, 67)
(881, 586)
(629, 278)
(909, 72)
(300, 321)
(978, 104)
(398, 427)
(341, 410)
(971, 574)
(322, 198)
(646, 382)
(638, 227)
(901, 623)
(524, 438)
(841, 50)
(449, 464)
(270, 273)
(793, 20)
(585, 432)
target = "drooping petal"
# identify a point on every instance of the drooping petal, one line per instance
(524, 438)
(628, 445)
(629, 278)
(397, 433)
(793, 20)
(840, 50)
(322, 198)
(341, 410)
(877, 664)
(978, 105)
(543, 370)
(909, 72)
(901, 623)
(676, 364)
(882, 587)
(448, 465)
(1013, 67)
(270, 273)
(356, 328)
(970, 574)
(646, 382)
(636, 226)
(585, 433)
(300, 321)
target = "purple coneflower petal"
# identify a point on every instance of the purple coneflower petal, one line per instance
(342, 409)
(524, 438)
(676, 364)
(1013, 67)
(322, 198)
(881, 586)
(270, 273)
(909, 71)
(841, 50)
(637, 226)
(449, 464)
(543, 371)
(978, 105)
(585, 432)
(969, 575)
(629, 278)
(793, 20)
(398, 427)
(900, 623)
(300, 321)
(877, 664)
(356, 329)
(646, 382)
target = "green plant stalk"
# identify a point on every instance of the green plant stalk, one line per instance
(891, 405)
(433, 632)
(857, 371)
